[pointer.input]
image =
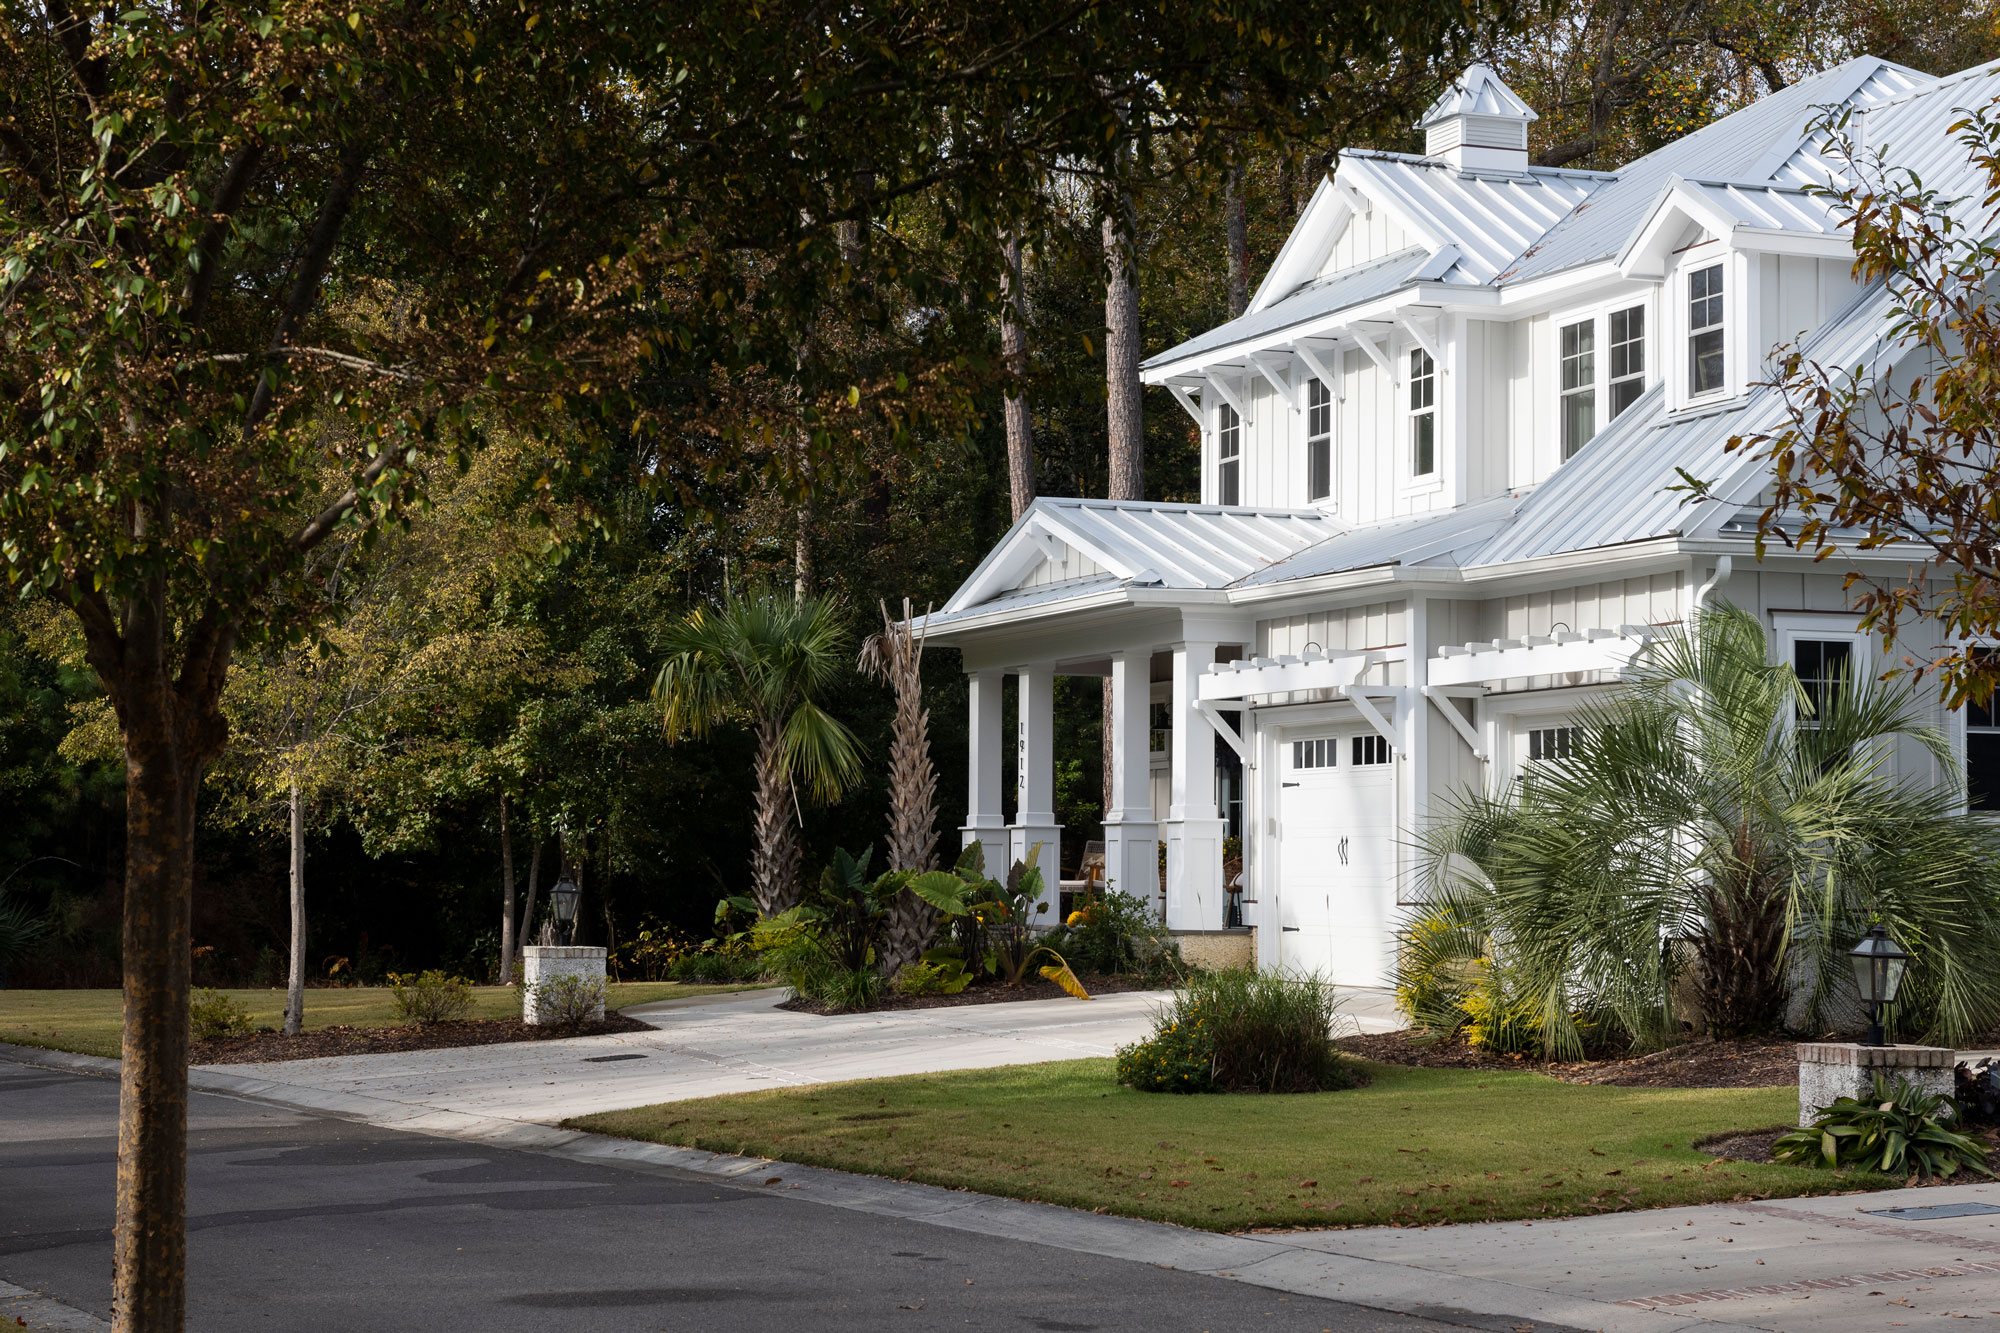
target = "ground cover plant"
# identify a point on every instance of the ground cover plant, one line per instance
(1898, 1128)
(1241, 1030)
(88, 1021)
(1414, 1146)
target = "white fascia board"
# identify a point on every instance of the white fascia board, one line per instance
(1305, 249)
(1804, 244)
(1001, 617)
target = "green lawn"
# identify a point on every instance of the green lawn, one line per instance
(88, 1020)
(1416, 1146)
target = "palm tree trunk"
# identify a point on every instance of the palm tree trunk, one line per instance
(898, 654)
(775, 863)
(1741, 951)
(295, 980)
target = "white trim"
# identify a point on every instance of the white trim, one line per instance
(1442, 697)
(1228, 395)
(1279, 382)
(1333, 380)
(1189, 405)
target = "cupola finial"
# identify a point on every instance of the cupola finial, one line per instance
(1479, 124)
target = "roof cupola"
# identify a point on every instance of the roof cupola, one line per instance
(1479, 124)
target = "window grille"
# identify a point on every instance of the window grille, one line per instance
(1228, 452)
(1628, 357)
(1423, 413)
(1370, 749)
(1319, 441)
(1705, 367)
(1579, 385)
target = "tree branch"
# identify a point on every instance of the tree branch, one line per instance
(313, 264)
(323, 523)
(206, 260)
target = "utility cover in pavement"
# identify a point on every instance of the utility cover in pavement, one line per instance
(1935, 1210)
(634, 1055)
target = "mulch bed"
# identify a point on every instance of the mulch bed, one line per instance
(264, 1047)
(986, 992)
(1763, 1063)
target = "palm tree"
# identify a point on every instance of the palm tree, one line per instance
(760, 659)
(1709, 829)
(897, 656)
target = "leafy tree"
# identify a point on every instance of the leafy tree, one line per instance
(765, 657)
(241, 247)
(1718, 826)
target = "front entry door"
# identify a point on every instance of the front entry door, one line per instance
(1336, 830)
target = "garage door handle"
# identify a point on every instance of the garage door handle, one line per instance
(1343, 851)
(1288, 784)
(1290, 928)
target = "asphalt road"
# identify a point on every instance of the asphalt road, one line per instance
(300, 1223)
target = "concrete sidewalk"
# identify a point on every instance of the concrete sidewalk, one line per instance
(739, 1043)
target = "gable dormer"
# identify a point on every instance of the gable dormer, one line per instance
(1479, 124)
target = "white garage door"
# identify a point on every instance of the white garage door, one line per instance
(1336, 856)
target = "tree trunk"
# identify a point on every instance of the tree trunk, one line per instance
(169, 715)
(1237, 225)
(1014, 350)
(534, 884)
(774, 867)
(898, 654)
(506, 897)
(295, 980)
(1123, 393)
(1125, 419)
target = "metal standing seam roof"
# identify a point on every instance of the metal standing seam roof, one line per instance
(1183, 546)
(1015, 599)
(1428, 538)
(1732, 148)
(1897, 106)
(1491, 217)
(1772, 207)
(1477, 92)
(1356, 286)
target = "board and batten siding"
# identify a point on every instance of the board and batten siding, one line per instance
(1367, 236)
(1078, 566)
(1796, 296)
(1346, 630)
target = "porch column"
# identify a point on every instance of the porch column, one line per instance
(1131, 838)
(1195, 827)
(1034, 830)
(984, 824)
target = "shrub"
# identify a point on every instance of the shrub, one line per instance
(430, 996)
(716, 966)
(936, 973)
(1118, 933)
(567, 1000)
(1900, 1130)
(1240, 1030)
(212, 1014)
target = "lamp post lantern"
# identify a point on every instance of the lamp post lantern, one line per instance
(1879, 963)
(562, 898)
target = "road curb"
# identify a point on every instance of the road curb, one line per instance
(45, 1312)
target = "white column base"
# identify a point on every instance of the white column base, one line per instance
(1023, 838)
(1195, 899)
(992, 840)
(1132, 861)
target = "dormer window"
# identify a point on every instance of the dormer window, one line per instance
(1423, 413)
(1229, 456)
(1579, 385)
(1628, 357)
(1707, 372)
(1319, 441)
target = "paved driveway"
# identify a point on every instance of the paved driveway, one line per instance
(305, 1223)
(737, 1043)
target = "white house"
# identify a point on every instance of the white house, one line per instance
(1437, 459)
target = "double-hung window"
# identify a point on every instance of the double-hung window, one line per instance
(1423, 413)
(1822, 666)
(1982, 749)
(1628, 357)
(1706, 371)
(1579, 385)
(1319, 441)
(1228, 456)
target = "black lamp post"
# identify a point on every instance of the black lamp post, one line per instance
(563, 899)
(1879, 963)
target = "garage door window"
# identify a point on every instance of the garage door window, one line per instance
(1321, 753)
(1371, 750)
(1550, 743)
